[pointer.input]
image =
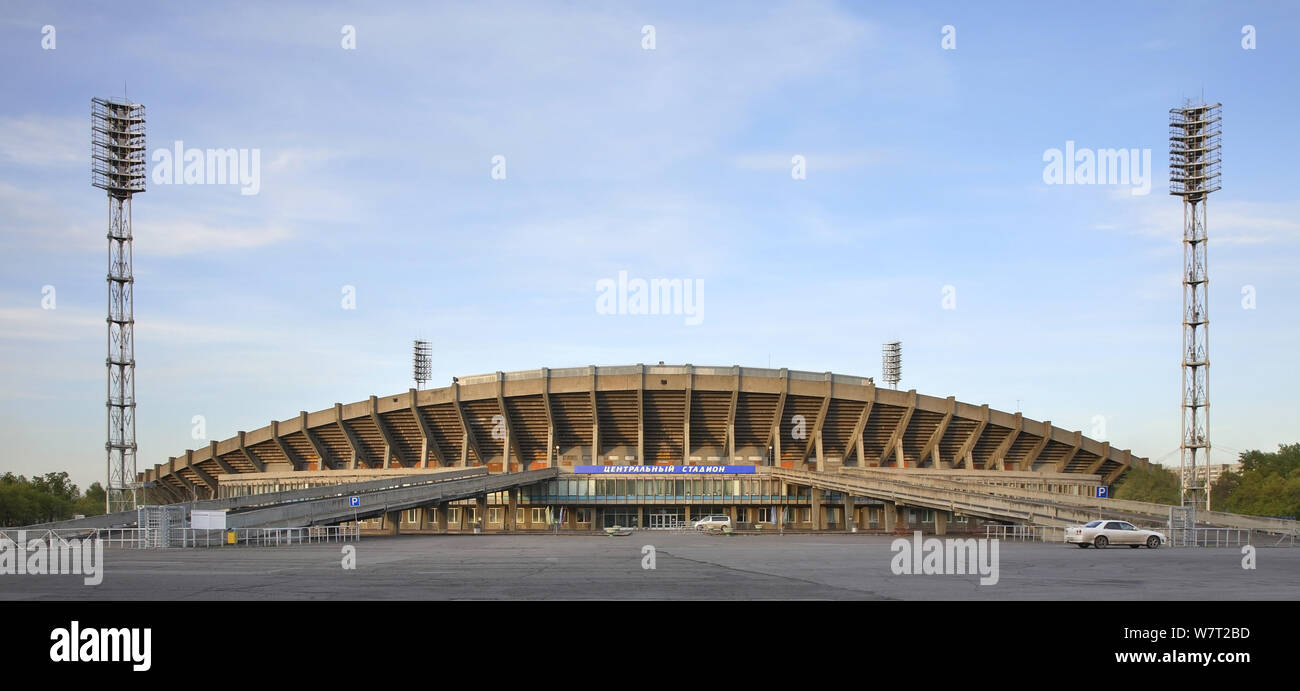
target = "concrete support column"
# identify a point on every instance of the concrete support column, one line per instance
(817, 519)
(393, 522)
(440, 518)
(890, 511)
(940, 522)
(481, 503)
(688, 513)
(424, 519)
(508, 521)
(640, 517)
(850, 517)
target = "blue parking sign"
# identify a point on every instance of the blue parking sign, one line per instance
(1103, 492)
(354, 501)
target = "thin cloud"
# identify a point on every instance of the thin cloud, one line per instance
(43, 141)
(815, 161)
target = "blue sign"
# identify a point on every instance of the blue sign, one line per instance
(354, 501)
(663, 469)
(1103, 492)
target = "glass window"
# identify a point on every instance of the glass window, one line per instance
(453, 516)
(539, 515)
(494, 514)
(519, 516)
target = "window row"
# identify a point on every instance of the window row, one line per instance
(666, 487)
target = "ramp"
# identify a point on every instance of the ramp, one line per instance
(235, 505)
(338, 507)
(1011, 504)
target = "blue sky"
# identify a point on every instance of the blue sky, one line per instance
(924, 170)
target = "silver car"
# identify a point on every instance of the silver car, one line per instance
(1101, 534)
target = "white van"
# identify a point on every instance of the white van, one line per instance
(712, 523)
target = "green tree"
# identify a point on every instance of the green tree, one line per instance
(45, 498)
(57, 485)
(1269, 483)
(92, 503)
(1223, 488)
(1282, 462)
(1158, 485)
(17, 503)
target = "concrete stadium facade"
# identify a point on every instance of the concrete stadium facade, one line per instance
(646, 416)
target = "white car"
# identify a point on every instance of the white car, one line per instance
(712, 523)
(1101, 534)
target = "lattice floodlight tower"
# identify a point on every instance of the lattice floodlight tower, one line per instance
(1193, 175)
(117, 165)
(421, 362)
(891, 363)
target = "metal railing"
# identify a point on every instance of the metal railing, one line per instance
(1199, 537)
(1218, 537)
(1025, 533)
(142, 538)
(298, 536)
(133, 538)
(21, 536)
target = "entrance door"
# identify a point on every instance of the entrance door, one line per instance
(664, 519)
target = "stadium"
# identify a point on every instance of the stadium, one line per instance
(650, 447)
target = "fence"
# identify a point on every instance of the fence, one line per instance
(1218, 537)
(45, 535)
(1195, 537)
(1025, 533)
(145, 538)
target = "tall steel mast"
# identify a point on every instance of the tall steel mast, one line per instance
(117, 165)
